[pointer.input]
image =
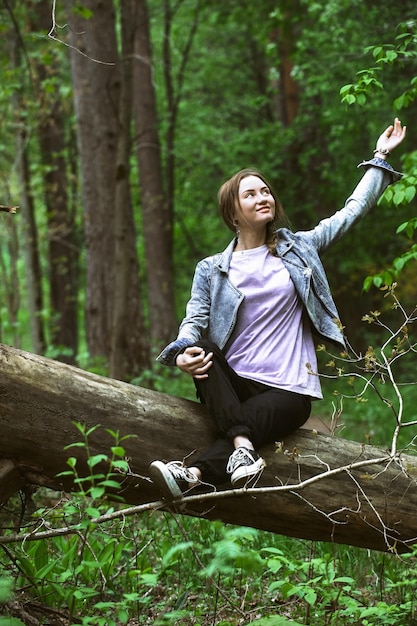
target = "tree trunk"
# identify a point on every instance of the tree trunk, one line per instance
(129, 352)
(10, 279)
(314, 487)
(174, 85)
(27, 210)
(96, 83)
(285, 38)
(157, 217)
(63, 251)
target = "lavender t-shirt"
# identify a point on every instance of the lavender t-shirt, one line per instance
(272, 341)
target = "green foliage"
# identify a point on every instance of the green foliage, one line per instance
(6, 593)
(168, 569)
(232, 553)
(95, 484)
(274, 620)
(398, 196)
(398, 54)
(402, 50)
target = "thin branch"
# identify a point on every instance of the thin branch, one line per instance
(183, 502)
(52, 35)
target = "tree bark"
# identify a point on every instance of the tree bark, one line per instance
(62, 244)
(157, 216)
(130, 353)
(314, 487)
(27, 210)
(285, 37)
(96, 82)
(103, 92)
(10, 280)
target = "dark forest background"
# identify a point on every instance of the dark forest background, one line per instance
(120, 120)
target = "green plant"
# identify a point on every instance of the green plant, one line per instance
(370, 79)
(88, 568)
(94, 485)
(6, 593)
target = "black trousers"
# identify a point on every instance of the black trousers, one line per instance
(239, 406)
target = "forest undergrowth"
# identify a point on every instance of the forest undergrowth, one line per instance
(162, 568)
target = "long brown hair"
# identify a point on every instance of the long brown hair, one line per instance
(228, 198)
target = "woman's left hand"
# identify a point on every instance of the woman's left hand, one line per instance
(195, 361)
(392, 136)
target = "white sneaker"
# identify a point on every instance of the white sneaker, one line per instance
(172, 478)
(244, 464)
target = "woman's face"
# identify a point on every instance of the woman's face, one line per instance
(256, 203)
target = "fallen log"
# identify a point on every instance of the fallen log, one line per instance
(315, 486)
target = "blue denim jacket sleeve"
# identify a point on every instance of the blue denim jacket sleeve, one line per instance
(195, 323)
(378, 175)
(382, 164)
(169, 354)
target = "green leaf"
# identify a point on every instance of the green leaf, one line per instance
(399, 263)
(6, 589)
(275, 620)
(367, 283)
(91, 430)
(118, 450)
(123, 616)
(361, 98)
(66, 473)
(150, 580)
(97, 492)
(123, 465)
(349, 99)
(391, 55)
(170, 558)
(310, 596)
(104, 605)
(345, 90)
(410, 193)
(399, 196)
(113, 484)
(96, 459)
(402, 227)
(76, 444)
(83, 593)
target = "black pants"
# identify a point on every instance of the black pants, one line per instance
(239, 406)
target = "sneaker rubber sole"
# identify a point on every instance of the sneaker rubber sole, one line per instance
(164, 480)
(245, 472)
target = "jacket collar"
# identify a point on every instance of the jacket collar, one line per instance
(226, 256)
(285, 241)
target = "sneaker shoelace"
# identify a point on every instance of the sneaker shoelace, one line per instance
(239, 457)
(180, 472)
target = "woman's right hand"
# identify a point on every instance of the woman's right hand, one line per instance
(391, 137)
(195, 361)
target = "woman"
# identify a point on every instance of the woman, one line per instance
(246, 338)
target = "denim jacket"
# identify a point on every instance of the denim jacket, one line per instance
(213, 307)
